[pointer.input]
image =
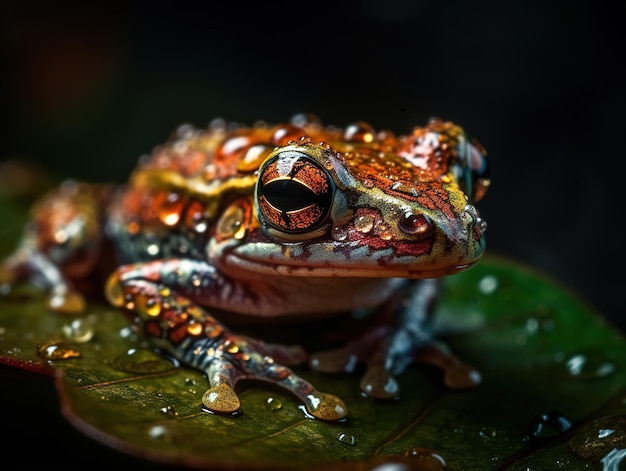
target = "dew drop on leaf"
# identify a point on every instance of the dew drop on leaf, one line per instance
(549, 424)
(79, 330)
(346, 438)
(170, 411)
(274, 403)
(426, 459)
(488, 284)
(141, 361)
(161, 432)
(589, 365)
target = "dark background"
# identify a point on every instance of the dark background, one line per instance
(87, 87)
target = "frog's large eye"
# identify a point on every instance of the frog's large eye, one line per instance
(294, 193)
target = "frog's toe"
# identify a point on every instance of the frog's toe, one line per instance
(379, 383)
(457, 375)
(325, 406)
(221, 399)
(340, 360)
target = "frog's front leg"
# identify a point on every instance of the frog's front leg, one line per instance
(163, 297)
(401, 337)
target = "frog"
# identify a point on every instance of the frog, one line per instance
(296, 220)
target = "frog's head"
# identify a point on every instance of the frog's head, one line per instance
(370, 210)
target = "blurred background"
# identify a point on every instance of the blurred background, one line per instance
(88, 87)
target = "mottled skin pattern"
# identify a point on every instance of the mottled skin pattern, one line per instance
(270, 221)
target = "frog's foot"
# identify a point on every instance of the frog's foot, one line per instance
(28, 263)
(239, 359)
(181, 328)
(386, 353)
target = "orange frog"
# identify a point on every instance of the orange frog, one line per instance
(294, 220)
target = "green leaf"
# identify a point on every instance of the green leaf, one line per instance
(552, 396)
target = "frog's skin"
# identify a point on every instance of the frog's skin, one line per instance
(271, 221)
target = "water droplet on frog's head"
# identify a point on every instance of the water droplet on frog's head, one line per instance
(589, 365)
(185, 131)
(548, 425)
(425, 459)
(346, 438)
(384, 232)
(79, 331)
(364, 224)
(304, 120)
(274, 404)
(339, 233)
(57, 351)
(359, 132)
(488, 284)
(597, 441)
(141, 361)
(286, 134)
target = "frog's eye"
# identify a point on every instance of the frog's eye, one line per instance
(473, 169)
(294, 193)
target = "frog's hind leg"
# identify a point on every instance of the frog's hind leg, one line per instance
(178, 326)
(59, 244)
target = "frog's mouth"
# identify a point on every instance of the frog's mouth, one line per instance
(427, 257)
(329, 269)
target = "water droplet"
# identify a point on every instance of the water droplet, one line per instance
(548, 425)
(170, 210)
(541, 323)
(153, 307)
(359, 132)
(339, 233)
(426, 459)
(141, 361)
(346, 438)
(488, 284)
(274, 404)
(384, 232)
(488, 432)
(57, 351)
(128, 333)
(364, 224)
(287, 134)
(190, 382)
(161, 432)
(589, 365)
(170, 411)
(79, 330)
